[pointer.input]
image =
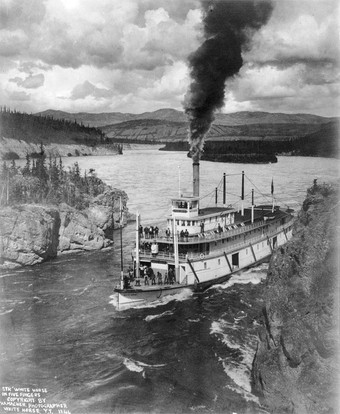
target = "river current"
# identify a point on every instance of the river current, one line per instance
(61, 329)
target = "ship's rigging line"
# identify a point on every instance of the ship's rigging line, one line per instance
(211, 194)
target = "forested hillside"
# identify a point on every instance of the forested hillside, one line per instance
(22, 134)
(46, 129)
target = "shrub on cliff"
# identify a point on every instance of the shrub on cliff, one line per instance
(11, 155)
(48, 183)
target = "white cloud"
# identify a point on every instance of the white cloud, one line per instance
(31, 81)
(131, 56)
(85, 89)
(12, 42)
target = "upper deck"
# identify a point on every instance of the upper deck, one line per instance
(264, 216)
(266, 224)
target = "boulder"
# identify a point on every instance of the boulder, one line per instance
(29, 234)
(78, 231)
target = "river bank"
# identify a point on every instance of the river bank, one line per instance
(21, 148)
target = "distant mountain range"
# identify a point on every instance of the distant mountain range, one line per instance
(240, 132)
(172, 115)
(170, 127)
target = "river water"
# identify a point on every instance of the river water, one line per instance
(61, 329)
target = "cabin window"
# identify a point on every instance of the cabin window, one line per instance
(177, 222)
(258, 247)
(205, 265)
(222, 241)
(183, 223)
(246, 251)
(219, 261)
(189, 223)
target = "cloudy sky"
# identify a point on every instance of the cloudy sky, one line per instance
(131, 56)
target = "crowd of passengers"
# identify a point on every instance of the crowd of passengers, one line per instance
(147, 274)
(150, 232)
(153, 232)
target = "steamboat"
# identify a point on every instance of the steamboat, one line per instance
(202, 246)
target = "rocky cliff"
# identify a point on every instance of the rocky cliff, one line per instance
(30, 234)
(295, 369)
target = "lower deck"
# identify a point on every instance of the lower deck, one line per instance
(220, 260)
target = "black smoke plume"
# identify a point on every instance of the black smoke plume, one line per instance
(228, 26)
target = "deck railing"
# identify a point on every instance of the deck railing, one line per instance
(209, 235)
(228, 247)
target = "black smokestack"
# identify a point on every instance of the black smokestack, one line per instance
(228, 25)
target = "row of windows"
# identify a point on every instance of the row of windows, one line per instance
(197, 223)
(258, 246)
(218, 261)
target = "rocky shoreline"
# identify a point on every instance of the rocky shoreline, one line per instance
(295, 369)
(32, 233)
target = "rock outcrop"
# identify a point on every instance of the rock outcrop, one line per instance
(30, 234)
(295, 369)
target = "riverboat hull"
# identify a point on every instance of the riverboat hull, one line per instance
(135, 296)
(148, 294)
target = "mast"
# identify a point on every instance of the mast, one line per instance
(242, 195)
(176, 250)
(224, 189)
(121, 243)
(252, 205)
(179, 181)
(137, 245)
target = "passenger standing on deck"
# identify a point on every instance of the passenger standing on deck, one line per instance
(151, 231)
(126, 282)
(159, 277)
(186, 234)
(146, 275)
(146, 231)
(202, 226)
(171, 276)
(130, 271)
(152, 276)
(167, 233)
(182, 235)
(140, 230)
(166, 278)
(156, 231)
